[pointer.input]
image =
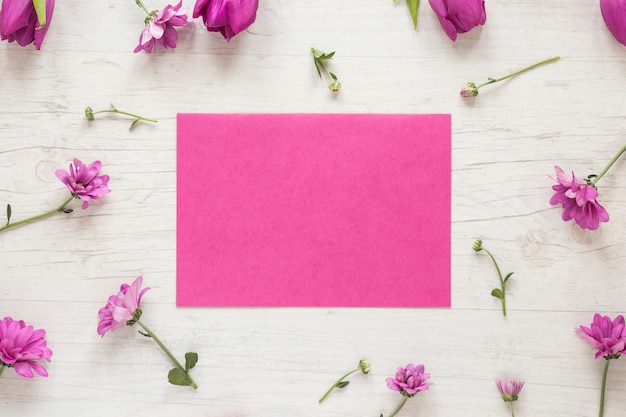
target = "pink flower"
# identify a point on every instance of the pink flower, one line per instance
(21, 347)
(123, 308)
(226, 16)
(614, 14)
(578, 199)
(84, 182)
(459, 16)
(19, 22)
(606, 335)
(509, 389)
(161, 28)
(408, 381)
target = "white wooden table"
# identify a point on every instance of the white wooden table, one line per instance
(262, 362)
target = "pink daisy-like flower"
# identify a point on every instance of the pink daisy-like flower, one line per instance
(578, 199)
(409, 380)
(22, 347)
(123, 308)
(161, 28)
(606, 335)
(509, 389)
(84, 182)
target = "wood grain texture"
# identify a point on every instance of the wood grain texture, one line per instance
(257, 362)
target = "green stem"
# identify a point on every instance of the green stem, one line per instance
(603, 389)
(332, 387)
(608, 166)
(513, 74)
(143, 6)
(167, 352)
(398, 408)
(501, 281)
(127, 114)
(2, 368)
(512, 409)
(40, 216)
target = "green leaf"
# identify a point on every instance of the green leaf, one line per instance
(508, 276)
(333, 76)
(342, 384)
(133, 124)
(67, 210)
(496, 292)
(177, 376)
(317, 54)
(40, 9)
(191, 358)
(8, 213)
(317, 66)
(413, 5)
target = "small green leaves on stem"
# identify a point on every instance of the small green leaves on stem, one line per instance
(191, 358)
(318, 59)
(90, 115)
(8, 213)
(498, 293)
(178, 376)
(413, 6)
(365, 368)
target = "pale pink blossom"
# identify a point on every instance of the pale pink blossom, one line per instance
(123, 308)
(578, 199)
(509, 389)
(84, 182)
(606, 335)
(409, 380)
(22, 347)
(161, 28)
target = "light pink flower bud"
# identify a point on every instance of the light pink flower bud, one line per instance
(459, 16)
(614, 14)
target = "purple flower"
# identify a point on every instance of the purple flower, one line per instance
(226, 16)
(614, 14)
(19, 22)
(123, 308)
(578, 199)
(606, 335)
(409, 380)
(459, 16)
(21, 347)
(84, 182)
(509, 389)
(161, 28)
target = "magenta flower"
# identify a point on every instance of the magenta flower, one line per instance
(608, 336)
(160, 28)
(578, 198)
(459, 16)
(122, 309)
(84, 182)
(614, 15)
(22, 347)
(19, 21)
(409, 380)
(226, 16)
(509, 389)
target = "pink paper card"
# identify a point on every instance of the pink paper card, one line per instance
(339, 210)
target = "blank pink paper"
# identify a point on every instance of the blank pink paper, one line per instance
(343, 210)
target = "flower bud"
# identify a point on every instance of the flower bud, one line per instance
(477, 245)
(469, 90)
(365, 366)
(334, 86)
(89, 113)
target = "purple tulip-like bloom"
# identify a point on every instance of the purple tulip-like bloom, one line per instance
(614, 15)
(606, 335)
(509, 389)
(22, 347)
(161, 28)
(226, 16)
(19, 22)
(409, 380)
(459, 16)
(84, 182)
(123, 308)
(578, 199)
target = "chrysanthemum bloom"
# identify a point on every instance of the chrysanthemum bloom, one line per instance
(229, 17)
(409, 380)
(578, 199)
(122, 309)
(614, 15)
(459, 16)
(19, 21)
(84, 182)
(509, 389)
(160, 28)
(22, 347)
(606, 335)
